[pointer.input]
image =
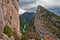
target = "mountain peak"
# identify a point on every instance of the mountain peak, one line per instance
(47, 23)
(40, 7)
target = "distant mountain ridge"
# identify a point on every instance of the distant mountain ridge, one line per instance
(27, 15)
(55, 10)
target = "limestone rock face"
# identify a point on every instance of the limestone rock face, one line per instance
(1, 23)
(45, 24)
(9, 15)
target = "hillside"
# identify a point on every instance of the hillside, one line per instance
(27, 15)
(44, 24)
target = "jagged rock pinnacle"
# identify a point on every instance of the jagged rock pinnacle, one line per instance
(42, 21)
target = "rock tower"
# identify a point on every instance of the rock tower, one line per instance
(9, 15)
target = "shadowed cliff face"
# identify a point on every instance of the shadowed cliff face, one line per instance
(9, 15)
(46, 24)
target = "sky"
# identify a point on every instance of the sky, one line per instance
(31, 5)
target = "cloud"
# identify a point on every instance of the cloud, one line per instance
(26, 4)
(47, 3)
(53, 2)
(21, 11)
(31, 5)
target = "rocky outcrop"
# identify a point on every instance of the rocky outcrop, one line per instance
(1, 21)
(9, 15)
(45, 24)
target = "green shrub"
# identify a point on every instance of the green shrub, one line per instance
(29, 30)
(8, 31)
(23, 37)
(37, 38)
(16, 36)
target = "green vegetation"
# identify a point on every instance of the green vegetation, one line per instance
(25, 35)
(16, 36)
(29, 28)
(58, 35)
(31, 24)
(8, 30)
(22, 22)
(53, 14)
(37, 38)
(23, 25)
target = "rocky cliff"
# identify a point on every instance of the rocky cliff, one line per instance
(47, 24)
(9, 16)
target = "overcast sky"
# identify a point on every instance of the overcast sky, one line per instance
(31, 5)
